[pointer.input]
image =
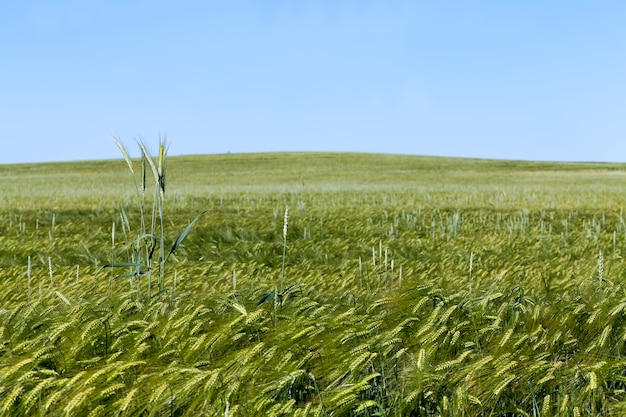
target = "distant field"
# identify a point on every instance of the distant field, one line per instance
(412, 286)
(476, 183)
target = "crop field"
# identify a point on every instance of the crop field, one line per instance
(312, 285)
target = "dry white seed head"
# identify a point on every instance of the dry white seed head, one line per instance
(286, 223)
(600, 266)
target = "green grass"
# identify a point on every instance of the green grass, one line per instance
(381, 312)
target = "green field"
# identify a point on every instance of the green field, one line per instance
(403, 286)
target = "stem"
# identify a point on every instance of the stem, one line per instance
(282, 275)
(285, 226)
(29, 271)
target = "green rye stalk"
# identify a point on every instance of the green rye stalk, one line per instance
(285, 226)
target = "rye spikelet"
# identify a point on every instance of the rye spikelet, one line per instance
(545, 408)
(10, 399)
(76, 401)
(125, 402)
(122, 149)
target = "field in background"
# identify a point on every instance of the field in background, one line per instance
(413, 286)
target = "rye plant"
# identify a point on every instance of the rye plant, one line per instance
(276, 294)
(285, 227)
(147, 250)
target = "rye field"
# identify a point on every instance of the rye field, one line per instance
(312, 285)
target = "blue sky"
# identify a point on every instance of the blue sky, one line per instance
(539, 80)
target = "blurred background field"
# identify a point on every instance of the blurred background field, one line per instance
(431, 180)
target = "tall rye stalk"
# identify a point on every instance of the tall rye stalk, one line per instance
(471, 265)
(29, 274)
(142, 260)
(158, 171)
(285, 227)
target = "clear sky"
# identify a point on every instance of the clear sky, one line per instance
(541, 80)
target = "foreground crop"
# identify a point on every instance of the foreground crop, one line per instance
(394, 303)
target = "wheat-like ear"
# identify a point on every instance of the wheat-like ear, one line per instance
(76, 401)
(143, 175)
(124, 153)
(33, 395)
(545, 408)
(158, 169)
(161, 164)
(12, 397)
(148, 158)
(125, 402)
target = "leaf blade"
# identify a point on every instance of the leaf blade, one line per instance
(182, 236)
